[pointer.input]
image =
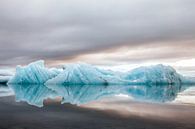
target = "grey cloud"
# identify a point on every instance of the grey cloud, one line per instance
(52, 30)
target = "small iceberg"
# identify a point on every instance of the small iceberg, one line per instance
(5, 76)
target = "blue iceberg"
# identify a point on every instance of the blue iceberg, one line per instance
(86, 74)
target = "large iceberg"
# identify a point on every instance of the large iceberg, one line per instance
(86, 74)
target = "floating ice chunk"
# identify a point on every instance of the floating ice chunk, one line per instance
(5, 76)
(34, 73)
(4, 79)
(6, 72)
(157, 74)
(85, 74)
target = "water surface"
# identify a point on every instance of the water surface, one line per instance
(83, 94)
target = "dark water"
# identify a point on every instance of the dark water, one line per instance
(95, 107)
(82, 94)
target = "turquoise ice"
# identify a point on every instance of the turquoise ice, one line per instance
(86, 74)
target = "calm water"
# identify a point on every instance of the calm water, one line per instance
(83, 94)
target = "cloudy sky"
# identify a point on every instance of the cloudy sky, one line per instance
(102, 32)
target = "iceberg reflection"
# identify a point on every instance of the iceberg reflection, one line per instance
(81, 94)
(85, 93)
(32, 94)
(155, 93)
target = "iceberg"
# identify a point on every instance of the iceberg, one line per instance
(34, 73)
(86, 74)
(4, 79)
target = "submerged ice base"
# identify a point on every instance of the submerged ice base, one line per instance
(86, 74)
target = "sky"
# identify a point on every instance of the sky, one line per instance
(100, 32)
